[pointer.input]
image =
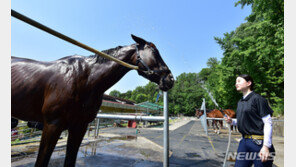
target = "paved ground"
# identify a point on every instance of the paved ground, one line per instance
(189, 146)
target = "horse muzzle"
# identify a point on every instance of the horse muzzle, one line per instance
(166, 82)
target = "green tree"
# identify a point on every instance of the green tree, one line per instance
(115, 93)
(141, 98)
(256, 48)
(186, 95)
(151, 90)
(127, 95)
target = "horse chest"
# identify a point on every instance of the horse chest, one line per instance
(86, 103)
(87, 106)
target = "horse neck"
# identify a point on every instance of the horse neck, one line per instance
(105, 75)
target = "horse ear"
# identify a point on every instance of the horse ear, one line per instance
(138, 40)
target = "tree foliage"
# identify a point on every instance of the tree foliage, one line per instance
(256, 48)
(186, 95)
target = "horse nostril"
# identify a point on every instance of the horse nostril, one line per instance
(172, 78)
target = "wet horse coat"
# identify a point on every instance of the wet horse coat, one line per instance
(66, 94)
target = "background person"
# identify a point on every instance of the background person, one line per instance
(255, 124)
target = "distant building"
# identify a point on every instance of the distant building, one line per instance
(112, 104)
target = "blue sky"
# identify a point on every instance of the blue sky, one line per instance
(183, 31)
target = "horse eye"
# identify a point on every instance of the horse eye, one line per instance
(152, 48)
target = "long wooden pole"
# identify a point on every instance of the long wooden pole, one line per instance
(68, 39)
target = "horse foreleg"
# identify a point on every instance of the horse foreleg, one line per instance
(214, 125)
(50, 136)
(221, 123)
(218, 127)
(75, 137)
(235, 128)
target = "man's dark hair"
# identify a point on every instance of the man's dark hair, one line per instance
(248, 78)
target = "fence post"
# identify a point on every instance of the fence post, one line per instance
(89, 127)
(97, 128)
(205, 116)
(165, 130)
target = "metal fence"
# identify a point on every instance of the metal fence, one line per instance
(163, 118)
(22, 132)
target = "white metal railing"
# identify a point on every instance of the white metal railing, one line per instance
(163, 118)
(273, 119)
(131, 117)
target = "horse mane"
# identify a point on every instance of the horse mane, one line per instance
(111, 52)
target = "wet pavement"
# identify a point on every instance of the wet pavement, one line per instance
(108, 150)
(189, 144)
(189, 147)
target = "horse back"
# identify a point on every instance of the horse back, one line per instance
(27, 88)
(38, 86)
(230, 113)
(215, 114)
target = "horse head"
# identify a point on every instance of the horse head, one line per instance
(151, 65)
(198, 113)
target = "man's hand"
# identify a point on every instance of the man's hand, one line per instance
(228, 119)
(264, 153)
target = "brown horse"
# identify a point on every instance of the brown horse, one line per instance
(215, 113)
(199, 113)
(231, 114)
(66, 94)
(211, 114)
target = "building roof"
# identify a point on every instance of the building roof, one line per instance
(117, 99)
(115, 104)
(150, 105)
